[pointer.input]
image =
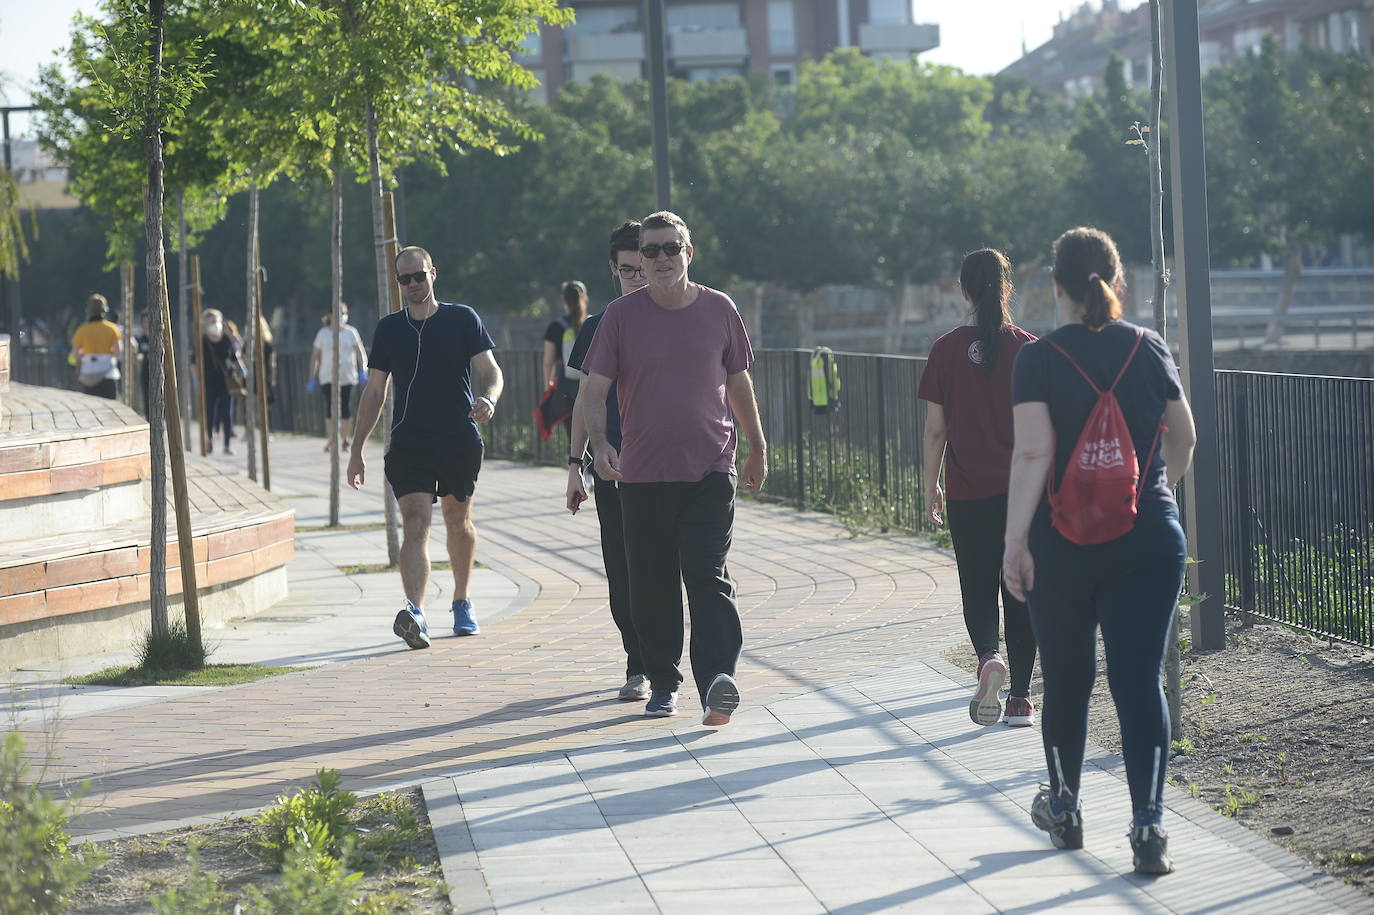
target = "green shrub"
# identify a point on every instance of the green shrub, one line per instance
(316, 817)
(38, 868)
(173, 651)
(200, 896)
(313, 882)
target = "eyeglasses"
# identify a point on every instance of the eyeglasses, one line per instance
(419, 277)
(627, 270)
(671, 248)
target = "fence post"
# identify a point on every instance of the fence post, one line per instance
(799, 387)
(1240, 416)
(881, 391)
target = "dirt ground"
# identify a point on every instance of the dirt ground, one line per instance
(142, 867)
(1278, 732)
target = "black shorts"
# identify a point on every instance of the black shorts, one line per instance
(439, 473)
(345, 400)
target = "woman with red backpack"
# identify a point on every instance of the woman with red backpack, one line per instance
(967, 388)
(1102, 434)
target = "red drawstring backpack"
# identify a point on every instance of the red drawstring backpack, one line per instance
(1097, 497)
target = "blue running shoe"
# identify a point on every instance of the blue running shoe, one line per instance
(410, 626)
(662, 704)
(464, 623)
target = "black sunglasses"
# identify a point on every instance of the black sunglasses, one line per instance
(671, 248)
(627, 270)
(405, 278)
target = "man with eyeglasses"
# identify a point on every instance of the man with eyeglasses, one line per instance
(629, 272)
(679, 355)
(432, 348)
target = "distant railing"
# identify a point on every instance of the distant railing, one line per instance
(1297, 456)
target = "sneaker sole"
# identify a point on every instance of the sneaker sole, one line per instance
(409, 630)
(986, 707)
(722, 699)
(667, 713)
(1067, 837)
(1155, 868)
(632, 695)
(1020, 721)
(466, 631)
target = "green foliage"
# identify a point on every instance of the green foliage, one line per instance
(313, 882)
(14, 248)
(173, 650)
(1316, 586)
(314, 818)
(201, 895)
(1235, 799)
(38, 866)
(1182, 747)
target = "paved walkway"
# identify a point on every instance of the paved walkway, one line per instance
(852, 780)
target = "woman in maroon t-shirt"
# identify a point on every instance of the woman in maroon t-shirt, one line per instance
(967, 384)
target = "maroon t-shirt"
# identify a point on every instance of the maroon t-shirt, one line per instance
(977, 406)
(670, 366)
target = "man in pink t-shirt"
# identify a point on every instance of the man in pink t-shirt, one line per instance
(679, 355)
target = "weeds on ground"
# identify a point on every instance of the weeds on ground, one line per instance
(38, 868)
(316, 817)
(1237, 799)
(172, 650)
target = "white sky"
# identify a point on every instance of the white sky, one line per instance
(979, 36)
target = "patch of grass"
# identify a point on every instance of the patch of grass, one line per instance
(1351, 859)
(210, 675)
(1183, 747)
(1237, 799)
(1249, 737)
(173, 650)
(370, 568)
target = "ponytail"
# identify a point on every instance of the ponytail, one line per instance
(985, 278)
(1087, 267)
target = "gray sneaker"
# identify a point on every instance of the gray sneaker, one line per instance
(636, 689)
(1150, 851)
(1066, 829)
(410, 626)
(722, 698)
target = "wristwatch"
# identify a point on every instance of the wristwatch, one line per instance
(574, 460)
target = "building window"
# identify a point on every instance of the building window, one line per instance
(1248, 41)
(782, 28)
(1345, 32)
(532, 48)
(703, 17)
(783, 74)
(889, 12)
(707, 74)
(606, 20)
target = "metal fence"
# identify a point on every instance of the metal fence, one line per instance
(1297, 452)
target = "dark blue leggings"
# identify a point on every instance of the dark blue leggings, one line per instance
(1128, 587)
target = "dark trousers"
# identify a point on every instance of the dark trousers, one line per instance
(609, 514)
(682, 531)
(976, 527)
(220, 407)
(1128, 586)
(106, 389)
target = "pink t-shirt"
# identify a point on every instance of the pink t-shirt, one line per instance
(977, 409)
(670, 368)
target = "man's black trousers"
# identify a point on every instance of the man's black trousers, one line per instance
(682, 531)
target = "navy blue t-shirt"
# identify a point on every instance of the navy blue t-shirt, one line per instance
(433, 398)
(1042, 374)
(579, 353)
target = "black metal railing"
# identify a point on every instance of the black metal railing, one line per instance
(1298, 504)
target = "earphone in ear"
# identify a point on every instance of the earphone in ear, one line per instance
(419, 340)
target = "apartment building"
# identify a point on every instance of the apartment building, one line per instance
(708, 39)
(1073, 60)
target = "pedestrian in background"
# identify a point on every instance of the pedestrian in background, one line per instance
(96, 348)
(1128, 585)
(348, 367)
(225, 377)
(967, 387)
(559, 338)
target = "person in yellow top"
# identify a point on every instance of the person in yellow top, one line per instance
(96, 348)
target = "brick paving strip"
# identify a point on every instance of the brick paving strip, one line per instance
(851, 781)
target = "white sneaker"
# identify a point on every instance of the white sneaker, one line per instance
(636, 689)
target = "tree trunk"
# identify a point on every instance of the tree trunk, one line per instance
(190, 594)
(1292, 269)
(393, 540)
(152, 224)
(250, 403)
(335, 330)
(126, 318)
(1173, 659)
(200, 358)
(260, 371)
(183, 324)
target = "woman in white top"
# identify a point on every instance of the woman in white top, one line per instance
(348, 367)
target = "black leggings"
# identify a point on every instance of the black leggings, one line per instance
(1128, 586)
(976, 527)
(220, 406)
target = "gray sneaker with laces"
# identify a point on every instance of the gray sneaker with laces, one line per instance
(636, 689)
(1066, 829)
(1150, 850)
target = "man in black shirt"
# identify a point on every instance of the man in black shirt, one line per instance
(627, 268)
(432, 348)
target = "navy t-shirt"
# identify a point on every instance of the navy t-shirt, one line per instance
(579, 353)
(1042, 374)
(434, 391)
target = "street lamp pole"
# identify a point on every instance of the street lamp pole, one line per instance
(656, 40)
(1192, 264)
